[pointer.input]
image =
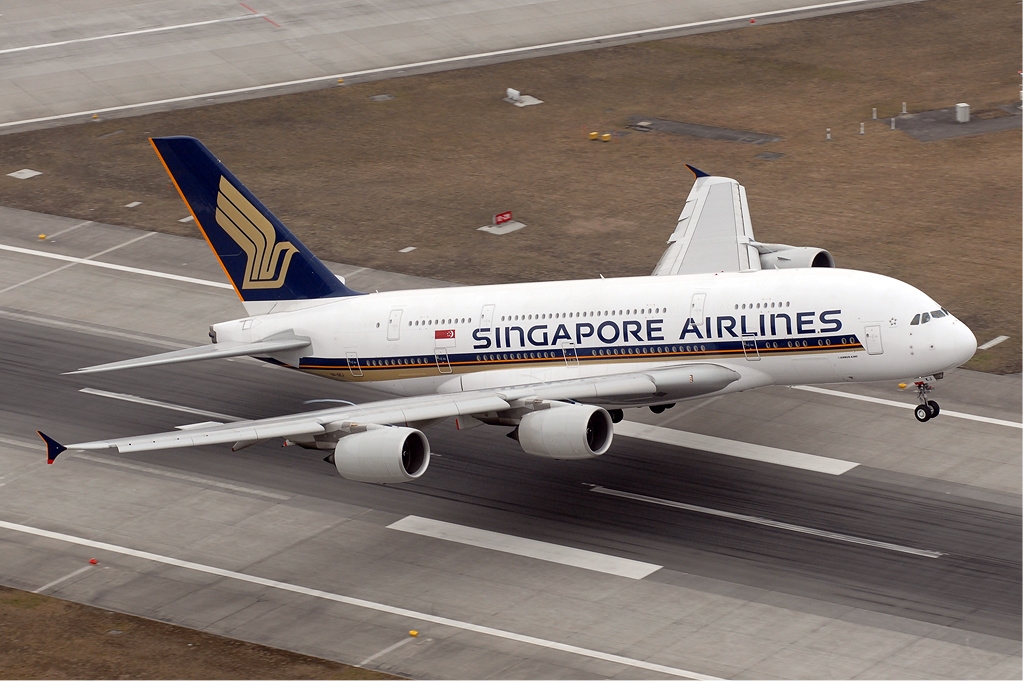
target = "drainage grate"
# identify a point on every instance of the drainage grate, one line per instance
(645, 124)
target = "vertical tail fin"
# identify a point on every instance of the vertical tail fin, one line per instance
(263, 260)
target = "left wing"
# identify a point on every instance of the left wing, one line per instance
(714, 233)
(672, 383)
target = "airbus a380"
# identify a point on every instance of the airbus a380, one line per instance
(556, 361)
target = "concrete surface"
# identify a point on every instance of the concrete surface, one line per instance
(61, 62)
(732, 601)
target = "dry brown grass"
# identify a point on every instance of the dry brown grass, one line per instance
(357, 179)
(47, 638)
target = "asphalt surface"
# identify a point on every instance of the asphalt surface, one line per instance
(482, 479)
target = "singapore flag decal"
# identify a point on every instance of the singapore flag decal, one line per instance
(443, 334)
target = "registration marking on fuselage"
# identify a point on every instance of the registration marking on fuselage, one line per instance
(520, 546)
(742, 450)
(756, 520)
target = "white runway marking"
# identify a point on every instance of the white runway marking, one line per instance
(742, 450)
(156, 403)
(159, 29)
(62, 579)
(112, 266)
(437, 62)
(993, 342)
(553, 553)
(180, 476)
(357, 602)
(769, 523)
(904, 405)
(386, 650)
(86, 259)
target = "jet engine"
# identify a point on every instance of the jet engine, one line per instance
(574, 431)
(782, 257)
(383, 455)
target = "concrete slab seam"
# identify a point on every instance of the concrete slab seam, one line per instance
(357, 602)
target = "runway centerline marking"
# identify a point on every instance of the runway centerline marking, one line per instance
(358, 602)
(903, 405)
(124, 397)
(62, 579)
(742, 450)
(756, 520)
(530, 548)
(651, 32)
(143, 31)
(112, 266)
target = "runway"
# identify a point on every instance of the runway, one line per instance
(61, 64)
(906, 564)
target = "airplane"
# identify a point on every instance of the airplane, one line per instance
(555, 361)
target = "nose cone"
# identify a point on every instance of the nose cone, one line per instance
(965, 343)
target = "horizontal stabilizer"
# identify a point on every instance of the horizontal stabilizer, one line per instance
(263, 347)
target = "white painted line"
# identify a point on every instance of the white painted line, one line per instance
(119, 268)
(133, 204)
(903, 405)
(993, 342)
(156, 403)
(159, 29)
(51, 237)
(94, 330)
(62, 579)
(407, 249)
(651, 32)
(188, 219)
(565, 555)
(358, 602)
(179, 476)
(20, 443)
(87, 259)
(393, 646)
(743, 450)
(769, 523)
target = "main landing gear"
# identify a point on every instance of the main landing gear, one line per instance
(927, 409)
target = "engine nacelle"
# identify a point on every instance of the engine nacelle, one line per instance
(383, 455)
(574, 431)
(782, 257)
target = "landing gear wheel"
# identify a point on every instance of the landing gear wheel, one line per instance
(922, 413)
(658, 408)
(935, 409)
(616, 415)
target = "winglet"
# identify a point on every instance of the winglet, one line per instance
(696, 171)
(53, 448)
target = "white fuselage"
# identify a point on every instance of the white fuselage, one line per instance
(797, 326)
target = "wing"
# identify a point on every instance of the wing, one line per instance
(714, 233)
(268, 346)
(666, 384)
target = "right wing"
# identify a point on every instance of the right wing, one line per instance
(678, 382)
(714, 233)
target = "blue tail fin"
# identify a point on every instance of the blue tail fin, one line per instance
(264, 261)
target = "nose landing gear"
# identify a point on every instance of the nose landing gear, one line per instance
(927, 409)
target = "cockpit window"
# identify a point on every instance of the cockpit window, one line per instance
(925, 317)
(916, 320)
(946, 312)
(938, 314)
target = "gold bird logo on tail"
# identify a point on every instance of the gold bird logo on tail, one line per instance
(268, 259)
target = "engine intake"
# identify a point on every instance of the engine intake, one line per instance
(782, 257)
(383, 455)
(574, 431)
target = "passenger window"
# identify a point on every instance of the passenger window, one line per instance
(916, 320)
(925, 318)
